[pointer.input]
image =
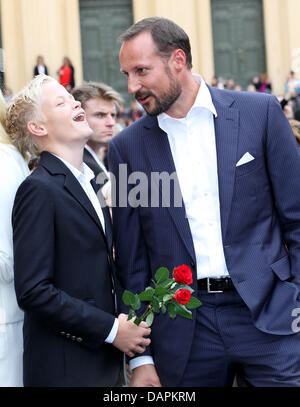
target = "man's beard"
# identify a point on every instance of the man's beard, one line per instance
(166, 100)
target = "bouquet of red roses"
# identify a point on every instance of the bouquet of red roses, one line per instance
(169, 295)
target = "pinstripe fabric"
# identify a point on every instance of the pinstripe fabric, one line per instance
(260, 218)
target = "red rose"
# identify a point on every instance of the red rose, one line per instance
(183, 275)
(182, 296)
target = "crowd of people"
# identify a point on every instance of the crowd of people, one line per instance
(67, 253)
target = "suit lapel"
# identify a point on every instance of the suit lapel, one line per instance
(105, 211)
(71, 184)
(160, 156)
(75, 189)
(226, 133)
(91, 162)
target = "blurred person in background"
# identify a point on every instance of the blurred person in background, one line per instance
(7, 94)
(295, 124)
(288, 111)
(66, 74)
(40, 67)
(292, 87)
(262, 83)
(100, 103)
(13, 171)
(135, 112)
(214, 82)
(230, 84)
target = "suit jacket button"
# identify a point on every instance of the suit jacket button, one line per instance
(73, 338)
(79, 340)
(113, 291)
(62, 333)
(68, 336)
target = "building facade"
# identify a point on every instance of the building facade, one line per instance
(236, 39)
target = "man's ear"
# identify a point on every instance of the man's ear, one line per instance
(36, 128)
(179, 59)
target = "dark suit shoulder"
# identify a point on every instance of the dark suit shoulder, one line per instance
(136, 127)
(233, 97)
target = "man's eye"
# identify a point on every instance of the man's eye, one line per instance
(142, 70)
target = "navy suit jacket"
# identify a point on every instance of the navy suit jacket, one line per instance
(64, 280)
(260, 218)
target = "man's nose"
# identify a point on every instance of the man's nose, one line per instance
(110, 120)
(133, 85)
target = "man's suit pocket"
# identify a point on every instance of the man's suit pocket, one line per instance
(249, 167)
(282, 268)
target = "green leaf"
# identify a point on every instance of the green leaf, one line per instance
(160, 291)
(167, 297)
(131, 314)
(169, 282)
(161, 275)
(171, 311)
(128, 298)
(147, 294)
(155, 304)
(163, 309)
(137, 303)
(182, 311)
(150, 318)
(193, 303)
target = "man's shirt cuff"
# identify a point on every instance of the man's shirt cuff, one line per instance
(113, 333)
(140, 361)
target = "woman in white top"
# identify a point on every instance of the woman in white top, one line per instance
(13, 170)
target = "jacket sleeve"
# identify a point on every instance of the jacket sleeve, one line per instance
(34, 266)
(283, 161)
(132, 265)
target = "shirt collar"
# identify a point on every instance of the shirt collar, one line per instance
(92, 152)
(87, 173)
(203, 100)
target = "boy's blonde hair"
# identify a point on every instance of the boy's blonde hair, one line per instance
(24, 107)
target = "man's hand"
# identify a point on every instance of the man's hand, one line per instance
(130, 337)
(145, 376)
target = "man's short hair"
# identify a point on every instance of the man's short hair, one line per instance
(95, 90)
(166, 35)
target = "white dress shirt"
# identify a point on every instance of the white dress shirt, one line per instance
(193, 147)
(84, 178)
(41, 69)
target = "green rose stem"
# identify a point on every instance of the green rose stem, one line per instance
(149, 308)
(138, 320)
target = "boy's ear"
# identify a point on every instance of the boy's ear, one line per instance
(36, 128)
